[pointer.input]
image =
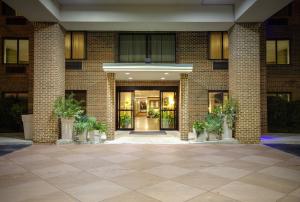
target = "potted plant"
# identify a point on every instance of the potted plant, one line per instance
(229, 111)
(125, 120)
(199, 130)
(100, 132)
(67, 109)
(81, 129)
(214, 124)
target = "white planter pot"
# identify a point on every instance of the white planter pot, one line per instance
(212, 137)
(94, 136)
(103, 137)
(82, 137)
(227, 132)
(27, 125)
(67, 128)
(202, 137)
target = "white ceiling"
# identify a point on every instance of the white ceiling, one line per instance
(147, 15)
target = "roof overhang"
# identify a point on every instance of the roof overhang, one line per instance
(155, 15)
(142, 71)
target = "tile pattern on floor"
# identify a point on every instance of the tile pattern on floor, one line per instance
(149, 173)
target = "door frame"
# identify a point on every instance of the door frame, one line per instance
(159, 88)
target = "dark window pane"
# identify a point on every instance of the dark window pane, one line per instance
(216, 99)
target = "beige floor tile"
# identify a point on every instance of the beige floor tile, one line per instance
(71, 158)
(165, 158)
(110, 171)
(96, 191)
(246, 165)
(212, 197)
(53, 197)
(248, 193)
(271, 182)
(72, 179)
(169, 191)
(140, 164)
(168, 171)
(26, 191)
(30, 158)
(91, 163)
(137, 180)
(296, 192)
(289, 199)
(41, 164)
(16, 178)
(285, 173)
(226, 172)
(214, 159)
(120, 158)
(11, 168)
(131, 197)
(201, 180)
(260, 159)
(55, 171)
(192, 164)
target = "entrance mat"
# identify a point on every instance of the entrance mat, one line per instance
(289, 148)
(6, 149)
(148, 132)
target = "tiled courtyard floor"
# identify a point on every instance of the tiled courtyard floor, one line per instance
(149, 173)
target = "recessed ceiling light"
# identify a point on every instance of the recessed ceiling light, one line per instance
(127, 73)
(130, 78)
(162, 78)
(166, 73)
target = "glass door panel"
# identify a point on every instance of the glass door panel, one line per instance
(168, 109)
(125, 110)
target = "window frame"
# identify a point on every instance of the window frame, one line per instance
(17, 39)
(71, 46)
(222, 49)
(148, 50)
(216, 91)
(281, 92)
(290, 53)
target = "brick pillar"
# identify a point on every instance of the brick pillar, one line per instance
(49, 79)
(183, 107)
(245, 79)
(111, 107)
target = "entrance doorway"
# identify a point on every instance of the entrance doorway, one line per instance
(147, 108)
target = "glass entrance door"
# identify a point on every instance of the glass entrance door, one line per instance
(168, 110)
(126, 110)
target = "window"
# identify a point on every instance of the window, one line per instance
(16, 51)
(75, 45)
(79, 95)
(216, 98)
(282, 95)
(218, 45)
(156, 48)
(19, 98)
(278, 51)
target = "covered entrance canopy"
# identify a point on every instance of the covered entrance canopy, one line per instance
(144, 71)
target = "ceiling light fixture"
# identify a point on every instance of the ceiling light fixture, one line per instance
(166, 73)
(162, 78)
(130, 78)
(127, 73)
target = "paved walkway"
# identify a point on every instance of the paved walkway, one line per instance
(149, 173)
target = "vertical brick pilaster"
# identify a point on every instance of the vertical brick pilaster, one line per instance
(245, 79)
(111, 92)
(184, 108)
(49, 79)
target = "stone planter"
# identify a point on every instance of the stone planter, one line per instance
(27, 125)
(82, 137)
(201, 137)
(67, 128)
(212, 137)
(94, 136)
(227, 132)
(103, 137)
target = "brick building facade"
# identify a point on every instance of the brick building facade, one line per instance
(247, 79)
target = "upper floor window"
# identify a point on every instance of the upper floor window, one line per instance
(216, 98)
(156, 48)
(75, 46)
(278, 51)
(218, 45)
(282, 95)
(16, 51)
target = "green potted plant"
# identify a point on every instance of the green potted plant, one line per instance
(100, 132)
(199, 130)
(67, 109)
(125, 120)
(214, 124)
(81, 128)
(229, 111)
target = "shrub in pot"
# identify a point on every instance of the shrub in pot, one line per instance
(100, 134)
(214, 124)
(229, 117)
(199, 130)
(81, 129)
(67, 109)
(125, 120)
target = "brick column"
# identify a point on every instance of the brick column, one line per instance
(49, 79)
(111, 107)
(183, 107)
(245, 79)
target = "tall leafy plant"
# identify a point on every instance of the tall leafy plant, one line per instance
(199, 127)
(67, 107)
(214, 121)
(230, 110)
